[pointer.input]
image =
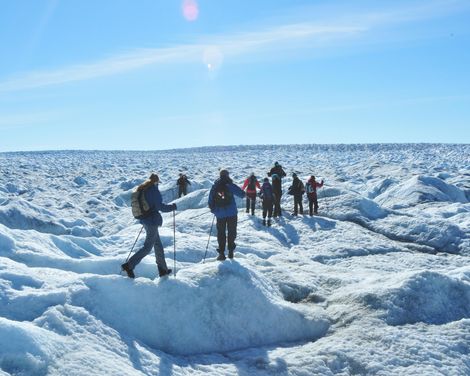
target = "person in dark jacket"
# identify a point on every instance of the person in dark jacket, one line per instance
(267, 196)
(182, 184)
(151, 224)
(297, 190)
(251, 183)
(223, 206)
(277, 191)
(311, 188)
(278, 170)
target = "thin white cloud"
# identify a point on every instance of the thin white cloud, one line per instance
(26, 119)
(237, 44)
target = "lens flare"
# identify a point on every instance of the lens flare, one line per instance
(212, 58)
(190, 10)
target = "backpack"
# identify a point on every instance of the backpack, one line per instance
(139, 205)
(267, 192)
(252, 184)
(222, 196)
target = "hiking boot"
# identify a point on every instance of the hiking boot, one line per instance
(230, 254)
(269, 223)
(125, 267)
(162, 272)
(264, 222)
(221, 257)
(247, 210)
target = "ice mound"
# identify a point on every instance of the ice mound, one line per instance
(6, 241)
(428, 297)
(419, 189)
(353, 207)
(215, 307)
(22, 215)
(24, 348)
(441, 235)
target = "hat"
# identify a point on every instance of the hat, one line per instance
(266, 180)
(294, 175)
(276, 163)
(154, 177)
(223, 172)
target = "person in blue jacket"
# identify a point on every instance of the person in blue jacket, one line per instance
(223, 206)
(151, 223)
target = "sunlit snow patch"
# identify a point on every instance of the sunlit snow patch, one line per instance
(213, 307)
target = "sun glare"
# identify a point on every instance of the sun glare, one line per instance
(190, 10)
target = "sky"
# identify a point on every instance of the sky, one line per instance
(164, 74)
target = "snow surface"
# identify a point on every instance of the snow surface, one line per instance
(379, 284)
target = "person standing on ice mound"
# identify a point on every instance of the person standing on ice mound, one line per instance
(251, 183)
(278, 170)
(182, 184)
(277, 191)
(311, 188)
(151, 222)
(223, 206)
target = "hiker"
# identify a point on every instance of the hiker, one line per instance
(297, 190)
(223, 206)
(267, 196)
(277, 173)
(311, 188)
(251, 183)
(277, 169)
(277, 192)
(151, 222)
(182, 184)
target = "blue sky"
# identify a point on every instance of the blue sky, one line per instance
(149, 74)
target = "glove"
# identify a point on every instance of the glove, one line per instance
(174, 206)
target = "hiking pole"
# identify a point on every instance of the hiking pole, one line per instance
(207, 246)
(174, 243)
(129, 255)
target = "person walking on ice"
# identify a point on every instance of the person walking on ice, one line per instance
(311, 188)
(151, 219)
(297, 190)
(222, 204)
(267, 196)
(251, 183)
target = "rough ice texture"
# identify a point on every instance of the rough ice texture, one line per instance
(379, 283)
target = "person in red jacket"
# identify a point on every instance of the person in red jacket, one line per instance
(311, 188)
(251, 183)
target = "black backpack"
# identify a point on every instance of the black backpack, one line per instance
(222, 196)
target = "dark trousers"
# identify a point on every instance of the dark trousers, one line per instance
(227, 228)
(267, 208)
(313, 205)
(298, 207)
(250, 203)
(277, 206)
(182, 191)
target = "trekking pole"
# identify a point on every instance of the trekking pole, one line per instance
(174, 244)
(129, 255)
(207, 246)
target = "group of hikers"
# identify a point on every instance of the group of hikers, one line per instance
(222, 204)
